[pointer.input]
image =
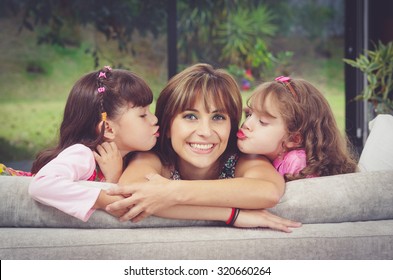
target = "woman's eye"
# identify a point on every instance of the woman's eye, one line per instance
(219, 117)
(190, 117)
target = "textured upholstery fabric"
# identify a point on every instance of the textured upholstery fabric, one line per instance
(345, 217)
(341, 198)
(356, 240)
(18, 209)
(352, 197)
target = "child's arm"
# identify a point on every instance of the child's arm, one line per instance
(110, 161)
(57, 183)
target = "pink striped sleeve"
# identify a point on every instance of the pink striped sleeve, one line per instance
(56, 184)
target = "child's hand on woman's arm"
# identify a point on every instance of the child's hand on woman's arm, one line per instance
(110, 161)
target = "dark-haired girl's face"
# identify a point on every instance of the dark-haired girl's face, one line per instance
(135, 129)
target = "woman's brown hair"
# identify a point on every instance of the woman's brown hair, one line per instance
(214, 86)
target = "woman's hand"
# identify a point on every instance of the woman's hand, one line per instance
(263, 218)
(110, 161)
(117, 213)
(104, 199)
(143, 199)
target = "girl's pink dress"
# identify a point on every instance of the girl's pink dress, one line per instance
(291, 163)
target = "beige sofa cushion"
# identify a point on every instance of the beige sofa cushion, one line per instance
(342, 198)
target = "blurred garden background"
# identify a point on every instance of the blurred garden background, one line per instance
(46, 45)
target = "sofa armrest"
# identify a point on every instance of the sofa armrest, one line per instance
(377, 153)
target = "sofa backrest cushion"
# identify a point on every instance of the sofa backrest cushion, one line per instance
(341, 198)
(361, 196)
(18, 209)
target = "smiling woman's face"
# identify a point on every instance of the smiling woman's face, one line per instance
(200, 136)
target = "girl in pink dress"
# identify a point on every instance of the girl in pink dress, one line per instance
(291, 123)
(106, 117)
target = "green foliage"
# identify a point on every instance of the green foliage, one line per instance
(224, 32)
(57, 22)
(307, 18)
(270, 65)
(313, 17)
(236, 71)
(244, 31)
(377, 64)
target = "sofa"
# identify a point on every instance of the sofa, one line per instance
(347, 216)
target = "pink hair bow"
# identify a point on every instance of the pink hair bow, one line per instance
(282, 79)
(286, 81)
(101, 89)
(102, 74)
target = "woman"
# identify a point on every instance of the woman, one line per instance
(199, 113)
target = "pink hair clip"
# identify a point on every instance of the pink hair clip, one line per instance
(108, 68)
(286, 81)
(101, 89)
(282, 79)
(102, 74)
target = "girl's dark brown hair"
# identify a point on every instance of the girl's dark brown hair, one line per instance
(308, 115)
(85, 105)
(214, 86)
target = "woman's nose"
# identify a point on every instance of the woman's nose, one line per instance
(204, 128)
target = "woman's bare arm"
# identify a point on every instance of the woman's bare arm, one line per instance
(261, 187)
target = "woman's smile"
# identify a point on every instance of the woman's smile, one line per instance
(202, 148)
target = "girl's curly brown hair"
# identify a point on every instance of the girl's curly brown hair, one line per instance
(309, 115)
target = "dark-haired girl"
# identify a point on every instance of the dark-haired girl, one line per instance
(105, 118)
